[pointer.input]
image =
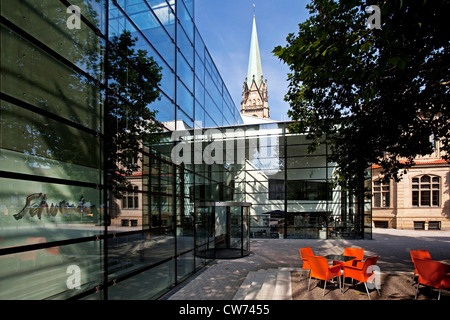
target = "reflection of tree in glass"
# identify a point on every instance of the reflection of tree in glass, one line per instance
(64, 92)
(53, 118)
(132, 87)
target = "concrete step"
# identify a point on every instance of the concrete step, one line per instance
(270, 284)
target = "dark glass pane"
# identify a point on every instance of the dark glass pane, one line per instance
(425, 198)
(415, 198)
(435, 198)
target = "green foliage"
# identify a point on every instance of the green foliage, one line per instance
(376, 95)
(132, 87)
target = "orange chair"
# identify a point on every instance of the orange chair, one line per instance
(351, 252)
(360, 272)
(419, 254)
(304, 254)
(321, 271)
(431, 274)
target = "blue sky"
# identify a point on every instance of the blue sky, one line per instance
(226, 25)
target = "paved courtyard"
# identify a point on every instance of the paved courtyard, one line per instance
(222, 279)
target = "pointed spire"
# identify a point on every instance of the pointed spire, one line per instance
(254, 63)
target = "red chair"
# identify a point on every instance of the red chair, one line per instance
(419, 254)
(351, 252)
(322, 271)
(431, 274)
(361, 272)
(304, 254)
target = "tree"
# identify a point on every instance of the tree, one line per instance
(374, 95)
(132, 86)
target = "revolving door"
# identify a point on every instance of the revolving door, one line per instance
(222, 229)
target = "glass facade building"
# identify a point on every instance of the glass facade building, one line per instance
(291, 191)
(62, 235)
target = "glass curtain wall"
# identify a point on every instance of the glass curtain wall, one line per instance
(293, 194)
(291, 190)
(54, 89)
(51, 177)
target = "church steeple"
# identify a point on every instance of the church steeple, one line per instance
(254, 95)
(254, 61)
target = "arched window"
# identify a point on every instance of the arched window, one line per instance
(425, 191)
(381, 194)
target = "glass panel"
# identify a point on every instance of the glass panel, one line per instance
(185, 19)
(199, 92)
(199, 45)
(185, 265)
(385, 200)
(186, 47)
(185, 73)
(435, 198)
(199, 69)
(51, 273)
(46, 21)
(308, 190)
(49, 208)
(164, 14)
(153, 31)
(209, 122)
(310, 162)
(190, 7)
(165, 108)
(425, 198)
(415, 198)
(199, 114)
(34, 144)
(64, 92)
(236, 228)
(161, 277)
(302, 150)
(204, 240)
(184, 121)
(377, 200)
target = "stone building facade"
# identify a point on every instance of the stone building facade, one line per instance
(421, 200)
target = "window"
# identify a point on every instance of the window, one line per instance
(434, 225)
(425, 191)
(299, 190)
(419, 225)
(276, 189)
(381, 194)
(381, 224)
(130, 199)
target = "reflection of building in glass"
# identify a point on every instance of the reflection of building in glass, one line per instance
(54, 93)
